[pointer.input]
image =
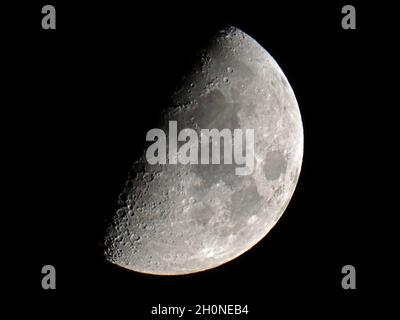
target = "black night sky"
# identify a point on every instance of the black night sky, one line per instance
(78, 102)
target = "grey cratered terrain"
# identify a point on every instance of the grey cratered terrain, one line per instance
(177, 219)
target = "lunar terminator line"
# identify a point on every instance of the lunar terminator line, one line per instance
(178, 219)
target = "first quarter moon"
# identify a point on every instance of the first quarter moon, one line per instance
(178, 219)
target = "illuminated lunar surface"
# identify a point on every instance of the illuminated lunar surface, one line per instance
(179, 219)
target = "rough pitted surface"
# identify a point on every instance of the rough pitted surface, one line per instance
(177, 219)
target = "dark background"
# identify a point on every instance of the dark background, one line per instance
(78, 103)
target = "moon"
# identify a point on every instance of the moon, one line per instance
(177, 219)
